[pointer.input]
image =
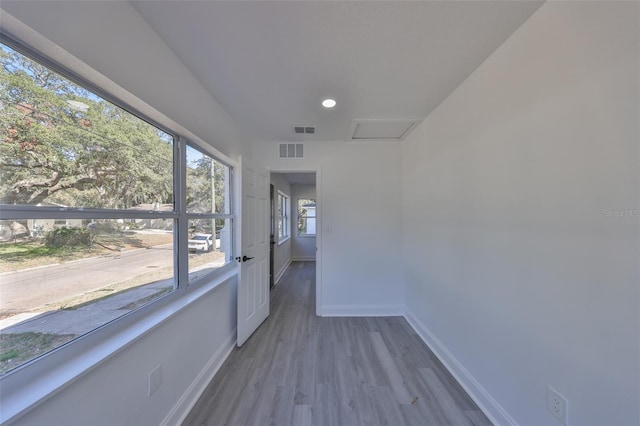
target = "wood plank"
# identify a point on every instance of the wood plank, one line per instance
(396, 381)
(301, 415)
(298, 369)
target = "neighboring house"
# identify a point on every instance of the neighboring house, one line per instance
(166, 224)
(36, 227)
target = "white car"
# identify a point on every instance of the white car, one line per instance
(201, 243)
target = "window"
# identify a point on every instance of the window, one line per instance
(83, 180)
(209, 213)
(283, 217)
(306, 216)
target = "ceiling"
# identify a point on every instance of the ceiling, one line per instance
(299, 178)
(270, 64)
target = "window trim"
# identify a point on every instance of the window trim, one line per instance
(298, 216)
(232, 217)
(39, 378)
(284, 215)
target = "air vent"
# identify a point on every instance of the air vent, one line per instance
(304, 130)
(291, 150)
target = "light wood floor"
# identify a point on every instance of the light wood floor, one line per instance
(298, 369)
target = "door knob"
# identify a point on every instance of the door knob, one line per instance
(245, 258)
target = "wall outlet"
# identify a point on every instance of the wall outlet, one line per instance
(558, 405)
(155, 379)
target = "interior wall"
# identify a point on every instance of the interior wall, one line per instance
(520, 212)
(359, 192)
(281, 251)
(302, 247)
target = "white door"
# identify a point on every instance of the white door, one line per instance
(253, 280)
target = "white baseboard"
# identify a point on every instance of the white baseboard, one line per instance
(282, 271)
(361, 310)
(304, 259)
(186, 402)
(480, 396)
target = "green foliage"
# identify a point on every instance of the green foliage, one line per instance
(64, 145)
(20, 347)
(27, 254)
(68, 237)
(201, 175)
(8, 355)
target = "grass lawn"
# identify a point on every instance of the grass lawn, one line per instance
(23, 255)
(15, 256)
(18, 348)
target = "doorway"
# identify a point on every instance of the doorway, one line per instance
(272, 240)
(296, 223)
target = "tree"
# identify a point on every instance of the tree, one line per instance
(62, 144)
(206, 190)
(206, 176)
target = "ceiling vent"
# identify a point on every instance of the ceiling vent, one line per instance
(381, 130)
(304, 130)
(291, 150)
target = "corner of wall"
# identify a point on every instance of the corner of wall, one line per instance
(474, 389)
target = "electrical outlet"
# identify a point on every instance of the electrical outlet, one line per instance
(155, 379)
(558, 405)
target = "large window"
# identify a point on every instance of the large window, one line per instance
(283, 217)
(306, 217)
(94, 222)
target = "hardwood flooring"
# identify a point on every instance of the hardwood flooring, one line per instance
(298, 369)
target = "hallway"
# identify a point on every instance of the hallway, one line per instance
(299, 369)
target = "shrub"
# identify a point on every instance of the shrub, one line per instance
(68, 237)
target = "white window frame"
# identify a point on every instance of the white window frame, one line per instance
(305, 235)
(283, 216)
(38, 378)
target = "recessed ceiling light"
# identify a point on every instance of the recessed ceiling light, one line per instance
(329, 103)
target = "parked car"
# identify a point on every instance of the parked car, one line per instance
(201, 243)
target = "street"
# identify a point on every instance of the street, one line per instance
(22, 291)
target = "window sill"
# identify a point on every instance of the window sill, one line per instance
(39, 379)
(284, 240)
(307, 235)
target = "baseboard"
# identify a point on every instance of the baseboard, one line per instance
(186, 402)
(361, 311)
(304, 259)
(480, 396)
(282, 271)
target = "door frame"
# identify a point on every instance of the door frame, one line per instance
(319, 221)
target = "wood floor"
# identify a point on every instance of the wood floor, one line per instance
(298, 369)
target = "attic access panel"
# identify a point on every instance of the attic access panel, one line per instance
(381, 129)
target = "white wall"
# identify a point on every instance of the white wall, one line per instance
(360, 253)
(135, 64)
(281, 251)
(512, 260)
(302, 247)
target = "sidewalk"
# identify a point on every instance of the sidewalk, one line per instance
(89, 317)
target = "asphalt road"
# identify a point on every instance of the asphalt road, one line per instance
(22, 291)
